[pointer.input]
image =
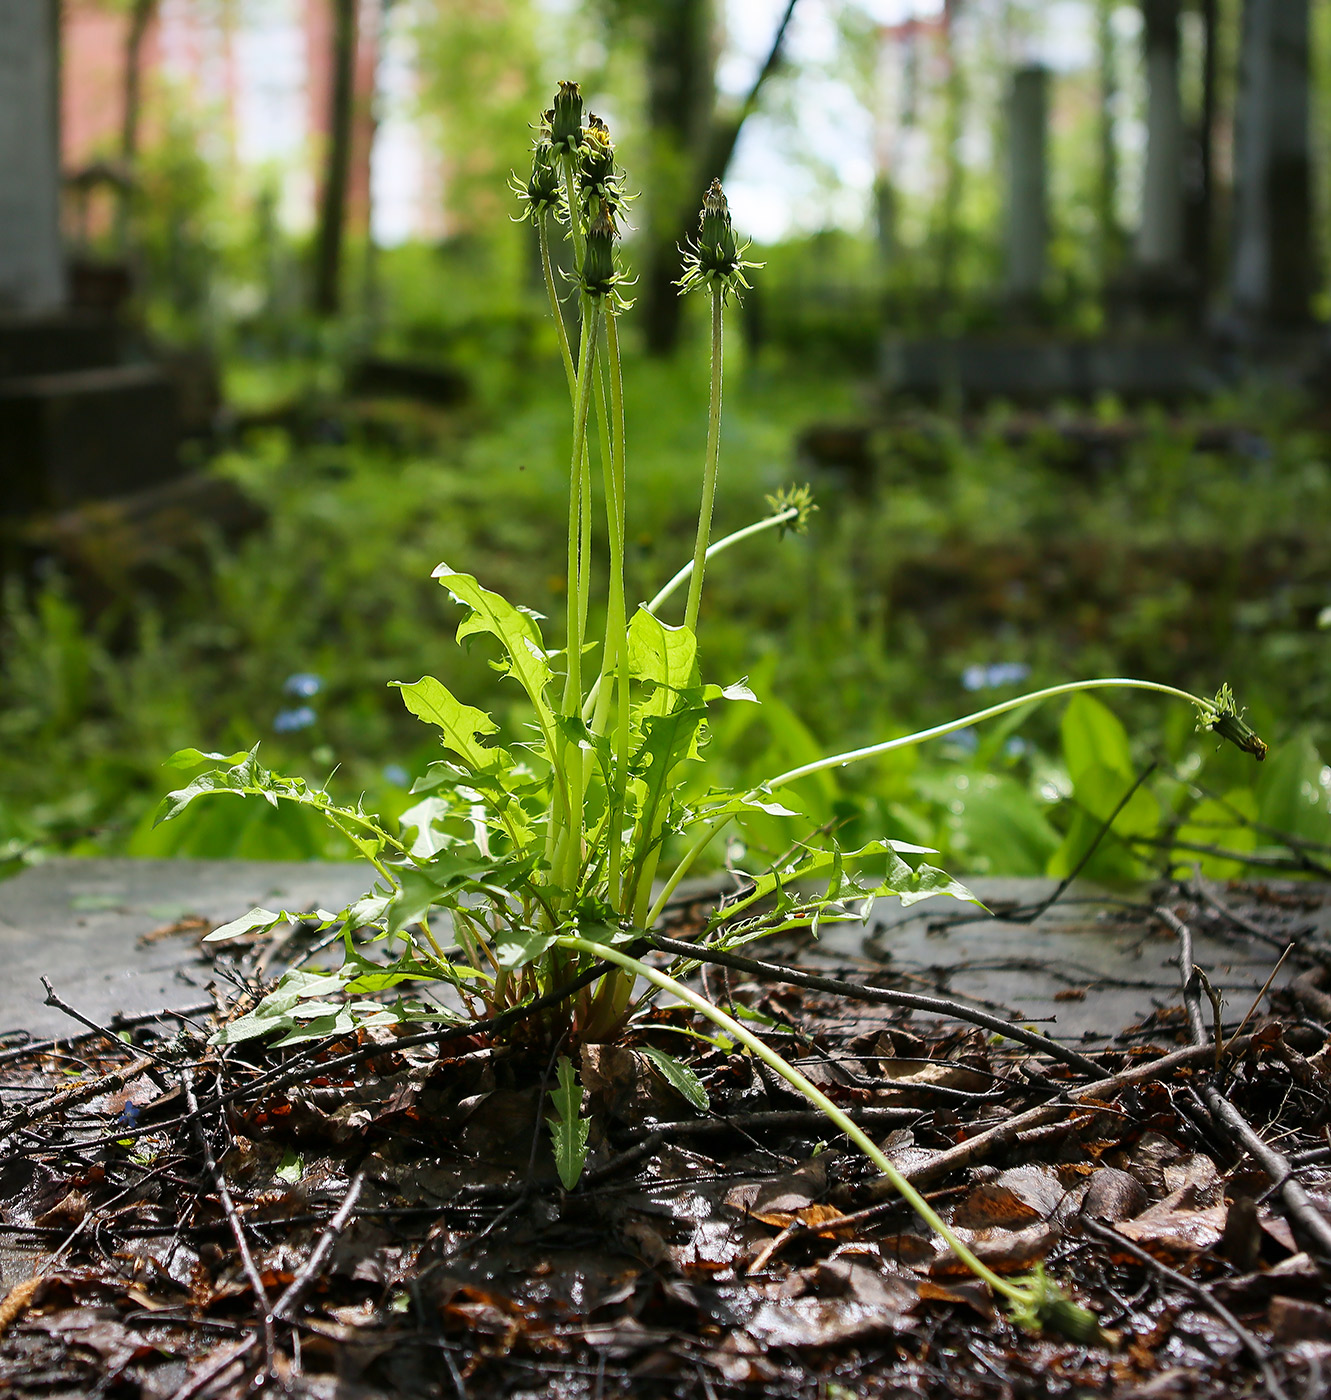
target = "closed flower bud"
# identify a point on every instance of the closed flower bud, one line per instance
(598, 259)
(717, 250)
(715, 258)
(543, 186)
(566, 118)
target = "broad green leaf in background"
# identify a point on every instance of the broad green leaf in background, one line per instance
(1294, 792)
(1225, 823)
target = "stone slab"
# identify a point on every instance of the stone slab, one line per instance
(86, 435)
(1087, 968)
(80, 922)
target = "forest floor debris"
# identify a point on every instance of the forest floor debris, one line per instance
(382, 1217)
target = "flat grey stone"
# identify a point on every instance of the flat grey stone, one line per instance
(1089, 967)
(80, 922)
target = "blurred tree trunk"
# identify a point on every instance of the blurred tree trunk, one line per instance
(954, 106)
(690, 144)
(140, 17)
(333, 199)
(1199, 181)
(1160, 236)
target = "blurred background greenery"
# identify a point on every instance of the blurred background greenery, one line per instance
(303, 209)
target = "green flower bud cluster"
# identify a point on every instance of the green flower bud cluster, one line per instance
(714, 258)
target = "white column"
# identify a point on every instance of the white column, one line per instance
(31, 264)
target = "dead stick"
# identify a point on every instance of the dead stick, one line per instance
(53, 998)
(309, 1271)
(1255, 1349)
(938, 1006)
(1303, 1214)
(974, 1149)
(79, 1093)
(213, 1370)
(232, 1218)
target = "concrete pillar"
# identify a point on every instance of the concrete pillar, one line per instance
(31, 263)
(1273, 262)
(1028, 181)
(1160, 237)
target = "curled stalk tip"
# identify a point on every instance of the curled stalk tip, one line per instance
(798, 499)
(1223, 717)
(1043, 1306)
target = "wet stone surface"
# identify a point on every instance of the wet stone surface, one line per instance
(122, 937)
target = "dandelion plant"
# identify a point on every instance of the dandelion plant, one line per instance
(534, 859)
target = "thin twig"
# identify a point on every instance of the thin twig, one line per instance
(309, 1270)
(79, 1093)
(938, 1006)
(53, 998)
(233, 1219)
(975, 1149)
(1255, 1349)
(1303, 1215)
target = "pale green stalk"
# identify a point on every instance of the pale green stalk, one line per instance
(906, 740)
(758, 526)
(614, 653)
(570, 372)
(709, 468)
(841, 760)
(664, 594)
(815, 1096)
(571, 836)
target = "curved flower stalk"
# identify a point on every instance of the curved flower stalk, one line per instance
(1036, 1303)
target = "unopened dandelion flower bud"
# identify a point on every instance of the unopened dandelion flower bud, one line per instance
(717, 249)
(715, 257)
(543, 185)
(566, 118)
(598, 258)
(1223, 717)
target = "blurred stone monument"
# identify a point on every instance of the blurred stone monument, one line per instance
(76, 422)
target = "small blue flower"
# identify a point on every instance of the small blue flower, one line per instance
(1016, 746)
(303, 684)
(991, 677)
(967, 740)
(396, 774)
(129, 1116)
(289, 721)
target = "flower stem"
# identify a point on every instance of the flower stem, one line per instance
(841, 760)
(547, 271)
(815, 1096)
(709, 468)
(767, 523)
